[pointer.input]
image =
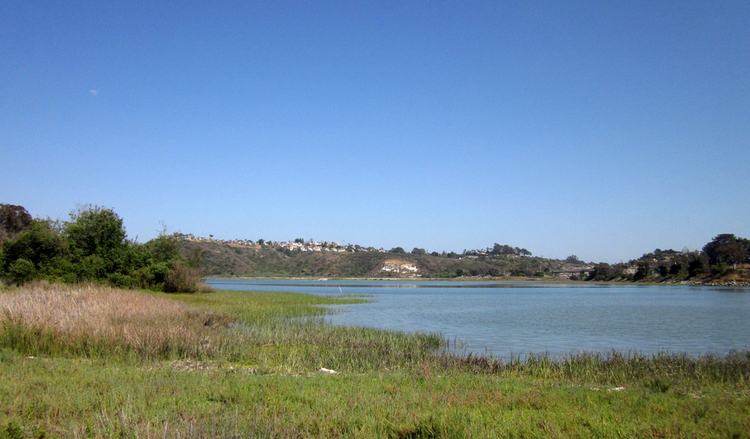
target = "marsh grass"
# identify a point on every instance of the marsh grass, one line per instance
(268, 331)
(92, 320)
(286, 333)
(87, 361)
(614, 367)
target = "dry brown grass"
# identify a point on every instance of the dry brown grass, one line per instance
(85, 317)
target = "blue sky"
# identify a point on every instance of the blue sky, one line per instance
(603, 128)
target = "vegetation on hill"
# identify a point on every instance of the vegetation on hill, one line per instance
(90, 246)
(100, 362)
(725, 259)
(220, 258)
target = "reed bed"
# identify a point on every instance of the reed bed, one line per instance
(658, 370)
(286, 333)
(94, 320)
(268, 332)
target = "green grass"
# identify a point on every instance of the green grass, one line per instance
(263, 382)
(285, 332)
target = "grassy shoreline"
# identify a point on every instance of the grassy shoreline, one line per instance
(248, 365)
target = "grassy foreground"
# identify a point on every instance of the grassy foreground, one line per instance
(97, 362)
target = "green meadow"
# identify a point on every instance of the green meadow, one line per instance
(91, 361)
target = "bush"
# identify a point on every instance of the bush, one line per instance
(163, 248)
(122, 280)
(38, 244)
(21, 271)
(181, 279)
(92, 246)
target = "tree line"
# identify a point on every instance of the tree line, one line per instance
(722, 256)
(90, 246)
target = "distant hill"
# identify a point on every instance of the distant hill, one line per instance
(274, 259)
(725, 261)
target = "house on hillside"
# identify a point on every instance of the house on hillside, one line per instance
(573, 272)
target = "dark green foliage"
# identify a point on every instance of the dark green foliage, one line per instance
(502, 249)
(643, 271)
(95, 231)
(13, 219)
(39, 245)
(398, 250)
(601, 272)
(727, 249)
(677, 269)
(697, 265)
(163, 248)
(21, 271)
(92, 246)
(662, 270)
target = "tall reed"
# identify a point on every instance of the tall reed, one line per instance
(93, 320)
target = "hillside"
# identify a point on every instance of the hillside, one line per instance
(723, 261)
(222, 258)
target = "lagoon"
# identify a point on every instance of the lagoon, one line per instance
(505, 319)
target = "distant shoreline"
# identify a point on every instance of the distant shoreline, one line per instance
(487, 279)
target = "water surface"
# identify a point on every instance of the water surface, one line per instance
(517, 318)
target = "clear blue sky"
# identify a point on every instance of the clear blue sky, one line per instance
(602, 128)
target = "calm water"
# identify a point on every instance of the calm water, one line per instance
(505, 318)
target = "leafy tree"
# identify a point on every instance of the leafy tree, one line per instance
(95, 231)
(662, 269)
(643, 270)
(418, 251)
(163, 248)
(573, 259)
(676, 269)
(601, 271)
(38, 244)
(92, 246)
(503, 249)
(21, 271)
(697, 265)
(13, 219)
(727, 249)
(398, 250)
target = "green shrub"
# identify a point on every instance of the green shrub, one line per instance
(21, 271)
(39, 244)
(122, 280)
(95, 231)
(92, 246)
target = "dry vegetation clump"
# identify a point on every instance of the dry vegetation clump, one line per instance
(94, 320)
